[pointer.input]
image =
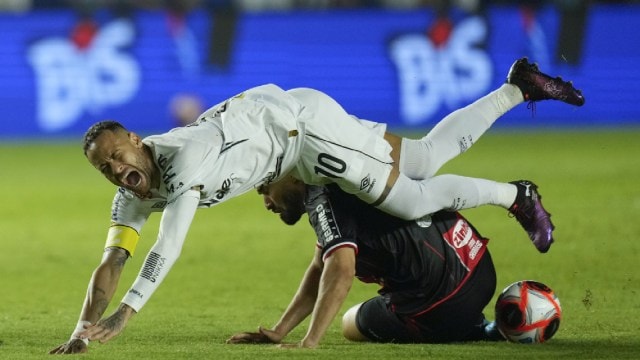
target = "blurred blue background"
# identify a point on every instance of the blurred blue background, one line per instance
(153, 65)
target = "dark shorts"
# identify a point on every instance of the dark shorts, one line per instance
(458, 319)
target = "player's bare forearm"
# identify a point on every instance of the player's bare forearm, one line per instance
(102, 286)
(104, 283)
(335, 283)
(299, 308)
(303, 301)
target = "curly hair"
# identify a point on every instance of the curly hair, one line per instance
(97, 129)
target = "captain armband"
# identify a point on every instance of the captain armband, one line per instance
(122, 237)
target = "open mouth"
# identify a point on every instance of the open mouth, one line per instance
(133, 179)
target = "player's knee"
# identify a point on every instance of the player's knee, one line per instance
(349, 327)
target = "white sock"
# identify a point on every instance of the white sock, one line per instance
(457, 132)
(412, 199)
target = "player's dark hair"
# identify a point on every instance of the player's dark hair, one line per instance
(97, 129)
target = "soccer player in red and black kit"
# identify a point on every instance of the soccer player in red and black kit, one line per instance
(436, 273)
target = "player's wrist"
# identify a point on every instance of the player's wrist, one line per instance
(310, 340)
(307, 343)
(127, 310)
(131, 301)
(78, 330)
(277, 333)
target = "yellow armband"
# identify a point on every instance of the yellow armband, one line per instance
(122, 237)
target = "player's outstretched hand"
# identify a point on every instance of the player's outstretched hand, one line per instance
(107, 328)
(75, 346)
(104, 330)
(263, 336)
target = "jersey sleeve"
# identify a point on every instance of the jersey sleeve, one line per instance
(128, 214)
(174, 225)
(333, 226)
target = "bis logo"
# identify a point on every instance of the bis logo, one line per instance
(77, 77)
(448, 70)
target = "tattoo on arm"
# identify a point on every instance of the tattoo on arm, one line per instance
(121, 259)
(120, 255)
(99, 300)
(101, 307)
(117, 257)
(116, 320)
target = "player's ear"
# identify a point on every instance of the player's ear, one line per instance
(135, 139)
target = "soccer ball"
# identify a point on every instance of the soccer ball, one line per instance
(528, 312)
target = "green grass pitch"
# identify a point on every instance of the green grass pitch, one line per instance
(240, 265)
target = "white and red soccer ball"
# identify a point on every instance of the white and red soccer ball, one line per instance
(528, 312)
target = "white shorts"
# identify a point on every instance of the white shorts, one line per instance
(340, 148)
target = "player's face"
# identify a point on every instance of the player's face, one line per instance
(124, 160)
(284, 197)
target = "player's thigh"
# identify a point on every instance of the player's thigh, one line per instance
(461, 317)
(374, 321)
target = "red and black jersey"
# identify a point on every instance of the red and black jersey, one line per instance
(418, 263)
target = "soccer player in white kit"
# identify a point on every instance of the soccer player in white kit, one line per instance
(264, 133)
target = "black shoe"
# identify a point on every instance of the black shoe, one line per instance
(529, 212)
(491, 332)
(536, 86)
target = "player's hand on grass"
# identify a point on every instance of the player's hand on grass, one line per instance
(107, 328)
(73, 346)
(263, 336)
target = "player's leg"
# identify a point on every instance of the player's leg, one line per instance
(362, 163)
(412, 199)
(374, 321)
(421, 158)
(460, 317)
(457, 132)
(366, 170)
(344, 150)
(350, 329)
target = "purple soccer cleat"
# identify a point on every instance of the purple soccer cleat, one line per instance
(536, 86)
(530, 213)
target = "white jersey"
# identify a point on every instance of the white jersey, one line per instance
(340, 148)
(255, 138)
(251, 139)
(234, 147)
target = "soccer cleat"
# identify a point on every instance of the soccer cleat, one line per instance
(535, 220)
(491, 332)
(536, 86)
